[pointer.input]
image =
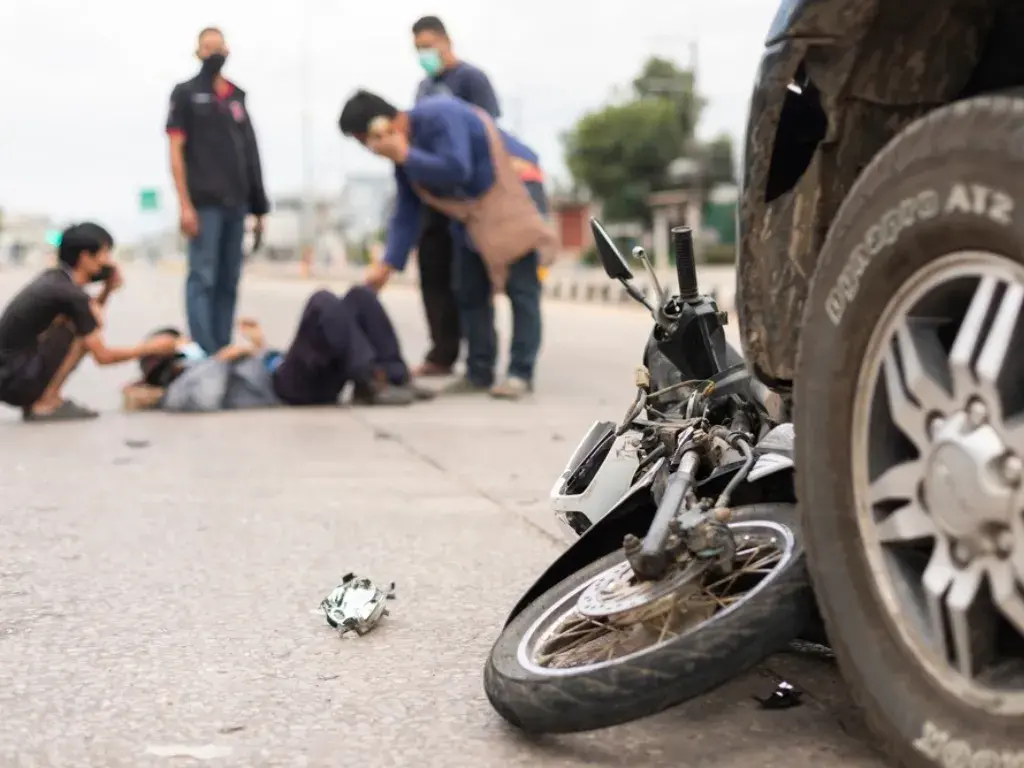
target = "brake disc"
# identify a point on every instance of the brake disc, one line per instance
(617, 595)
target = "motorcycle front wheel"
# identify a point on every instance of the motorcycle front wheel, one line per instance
(601, 648)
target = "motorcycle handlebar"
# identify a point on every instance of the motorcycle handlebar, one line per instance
(686, 264)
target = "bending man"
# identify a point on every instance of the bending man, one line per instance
(451, 156)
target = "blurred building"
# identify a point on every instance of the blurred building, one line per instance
(366, 203)
(23, 237)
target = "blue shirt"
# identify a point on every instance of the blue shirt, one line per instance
(449, 156)
(463, 81)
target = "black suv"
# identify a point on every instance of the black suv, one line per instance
(881, 288)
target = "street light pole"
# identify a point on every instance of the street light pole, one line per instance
(306, 236)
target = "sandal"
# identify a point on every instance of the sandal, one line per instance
(69, 410)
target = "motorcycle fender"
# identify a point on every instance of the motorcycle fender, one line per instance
(631, 514)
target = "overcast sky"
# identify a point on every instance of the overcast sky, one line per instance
(86, 85)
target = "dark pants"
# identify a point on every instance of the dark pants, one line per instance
(24, 379)
(214, 269)
(339, 340)
(435, 263)
(472, 287)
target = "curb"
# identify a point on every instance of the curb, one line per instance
(586, 291)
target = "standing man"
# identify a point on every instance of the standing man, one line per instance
(448, 76)
(215, 163)
(451, 156)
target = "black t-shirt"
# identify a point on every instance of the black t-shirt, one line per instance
(34, 309)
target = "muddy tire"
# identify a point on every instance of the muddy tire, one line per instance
(689, 665)
(952, 182)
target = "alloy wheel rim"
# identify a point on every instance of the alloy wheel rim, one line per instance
(937, 451)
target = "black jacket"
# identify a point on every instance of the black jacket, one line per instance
(221, 155)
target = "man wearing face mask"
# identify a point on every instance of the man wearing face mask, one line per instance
(448, 76)
(451, 156)
(49, 326)
(215, 163)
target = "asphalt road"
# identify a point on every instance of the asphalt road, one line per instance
(161, 595)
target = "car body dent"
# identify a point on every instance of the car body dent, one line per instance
(874, 68)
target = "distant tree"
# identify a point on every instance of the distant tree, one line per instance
(662, 79)
(719, 160)
(621, 152)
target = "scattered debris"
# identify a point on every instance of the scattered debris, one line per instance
(785, 696)
(356, 605)
(120, 461)
(381, 434)
(137, 443)
(231, 729)
(208, 752)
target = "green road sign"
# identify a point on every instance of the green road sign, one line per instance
(149, 200)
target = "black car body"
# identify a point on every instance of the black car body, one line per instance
(838, 80)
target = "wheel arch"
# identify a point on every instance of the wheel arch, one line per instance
(864, 71)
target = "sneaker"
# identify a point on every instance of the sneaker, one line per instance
(511, 388)
(421, 394)
(428, 369)
(378, 394)
(464, 386)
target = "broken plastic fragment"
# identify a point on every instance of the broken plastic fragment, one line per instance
(785, 696)
(356, 605)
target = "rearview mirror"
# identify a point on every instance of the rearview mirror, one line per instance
(614, 263)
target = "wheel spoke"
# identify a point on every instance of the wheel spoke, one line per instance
(906, 414)
(898, 482)
(980, 349)
(906, 524)
(972, 644)
(1004, 580)
(997, 344)
(937, 578)
(925, 367)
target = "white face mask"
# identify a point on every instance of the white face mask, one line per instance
(192, 352)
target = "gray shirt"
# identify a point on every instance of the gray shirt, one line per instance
(214, 385)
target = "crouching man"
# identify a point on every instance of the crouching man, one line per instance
(52, 323)
(339, 340)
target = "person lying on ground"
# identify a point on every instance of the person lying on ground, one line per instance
(52, 323)
(339, 340)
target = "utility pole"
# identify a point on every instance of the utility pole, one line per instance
(307, 228)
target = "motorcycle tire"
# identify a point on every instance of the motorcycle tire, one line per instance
(973, 146)
(650, 681)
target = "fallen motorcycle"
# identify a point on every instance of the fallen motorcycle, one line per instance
(689, 566)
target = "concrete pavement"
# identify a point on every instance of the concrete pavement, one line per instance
(160, 595)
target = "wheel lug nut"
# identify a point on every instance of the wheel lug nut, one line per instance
(961, 553)
(1012, 469)
(935, 423)
(977, 413)
(1004, 543)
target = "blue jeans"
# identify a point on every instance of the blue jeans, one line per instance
(214, 269)
(472, 288)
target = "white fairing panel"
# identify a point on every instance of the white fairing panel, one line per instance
(776, 453)
(612, 480)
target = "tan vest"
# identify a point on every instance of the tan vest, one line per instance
(503, 224)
